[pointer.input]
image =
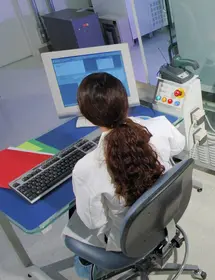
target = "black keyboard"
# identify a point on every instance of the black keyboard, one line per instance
(44, 178)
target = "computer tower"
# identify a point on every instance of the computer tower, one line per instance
(71, 29)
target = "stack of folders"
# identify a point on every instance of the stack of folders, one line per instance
(16, 161)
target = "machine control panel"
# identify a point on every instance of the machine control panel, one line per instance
(169, 94)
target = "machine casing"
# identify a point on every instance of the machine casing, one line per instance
(191, 100)
(70, 29)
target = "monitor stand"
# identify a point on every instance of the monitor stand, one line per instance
(83, 122)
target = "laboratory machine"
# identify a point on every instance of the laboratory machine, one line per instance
(116, 29)
(65, 71)
(179, 93)
(72, 29)
(151, 14)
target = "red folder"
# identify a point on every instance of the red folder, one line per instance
(14, 163)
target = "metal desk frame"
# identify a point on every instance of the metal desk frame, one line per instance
(31, 271)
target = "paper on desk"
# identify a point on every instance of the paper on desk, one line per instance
(83, 122)
(143, 117)
(28, 151)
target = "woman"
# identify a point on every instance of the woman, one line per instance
(131, 155)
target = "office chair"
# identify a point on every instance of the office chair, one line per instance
(198, 186)
(149, 233)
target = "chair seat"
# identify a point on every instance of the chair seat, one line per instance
(99, 256)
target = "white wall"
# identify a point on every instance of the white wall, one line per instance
(30, 21)
(59, 4)
(77, 4)
(14, 44)
(104, 7)
(196, 38)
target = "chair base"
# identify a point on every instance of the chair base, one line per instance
(143, 272)
(192, 270)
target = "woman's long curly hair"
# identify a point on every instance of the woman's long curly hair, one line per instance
(131, 161)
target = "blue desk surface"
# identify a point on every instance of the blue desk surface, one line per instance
(30, 217)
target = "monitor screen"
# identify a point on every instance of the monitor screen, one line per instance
(70, 71)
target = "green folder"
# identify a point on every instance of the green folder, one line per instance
(36, 146)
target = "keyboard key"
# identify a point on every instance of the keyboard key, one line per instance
(88, 147)
(35, 172)
(96, 140)
(50, 162)
(81, 142)
(24, 179)
(15, 185)
(68, 151)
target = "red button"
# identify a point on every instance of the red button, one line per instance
(170, 101)
(177, 93)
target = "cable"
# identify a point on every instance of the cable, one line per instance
(209, 136)
(189, 136)
(180, 271)
(209, 145)
(193, 150)
(211, 127)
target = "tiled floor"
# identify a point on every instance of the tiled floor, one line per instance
(27, 110)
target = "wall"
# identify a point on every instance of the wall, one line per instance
(77, 4)
(14, 45)
(104, 7)
(196, 38)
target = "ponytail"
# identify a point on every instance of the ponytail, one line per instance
(131, 161)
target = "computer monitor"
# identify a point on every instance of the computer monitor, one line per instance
(66, 69)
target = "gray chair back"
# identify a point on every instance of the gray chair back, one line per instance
(145, 224)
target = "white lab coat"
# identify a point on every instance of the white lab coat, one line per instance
(99, 212)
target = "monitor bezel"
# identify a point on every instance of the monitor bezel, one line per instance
(63, 111)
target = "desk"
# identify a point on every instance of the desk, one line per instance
(35, 218)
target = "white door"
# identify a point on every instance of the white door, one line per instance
(13, 43)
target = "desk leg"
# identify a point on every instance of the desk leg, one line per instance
(32, 271)
(14, 241)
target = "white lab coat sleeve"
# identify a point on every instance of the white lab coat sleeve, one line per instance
(89, 206)
(176, 140)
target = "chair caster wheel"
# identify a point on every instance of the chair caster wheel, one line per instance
(199, 190)
(199, 274)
